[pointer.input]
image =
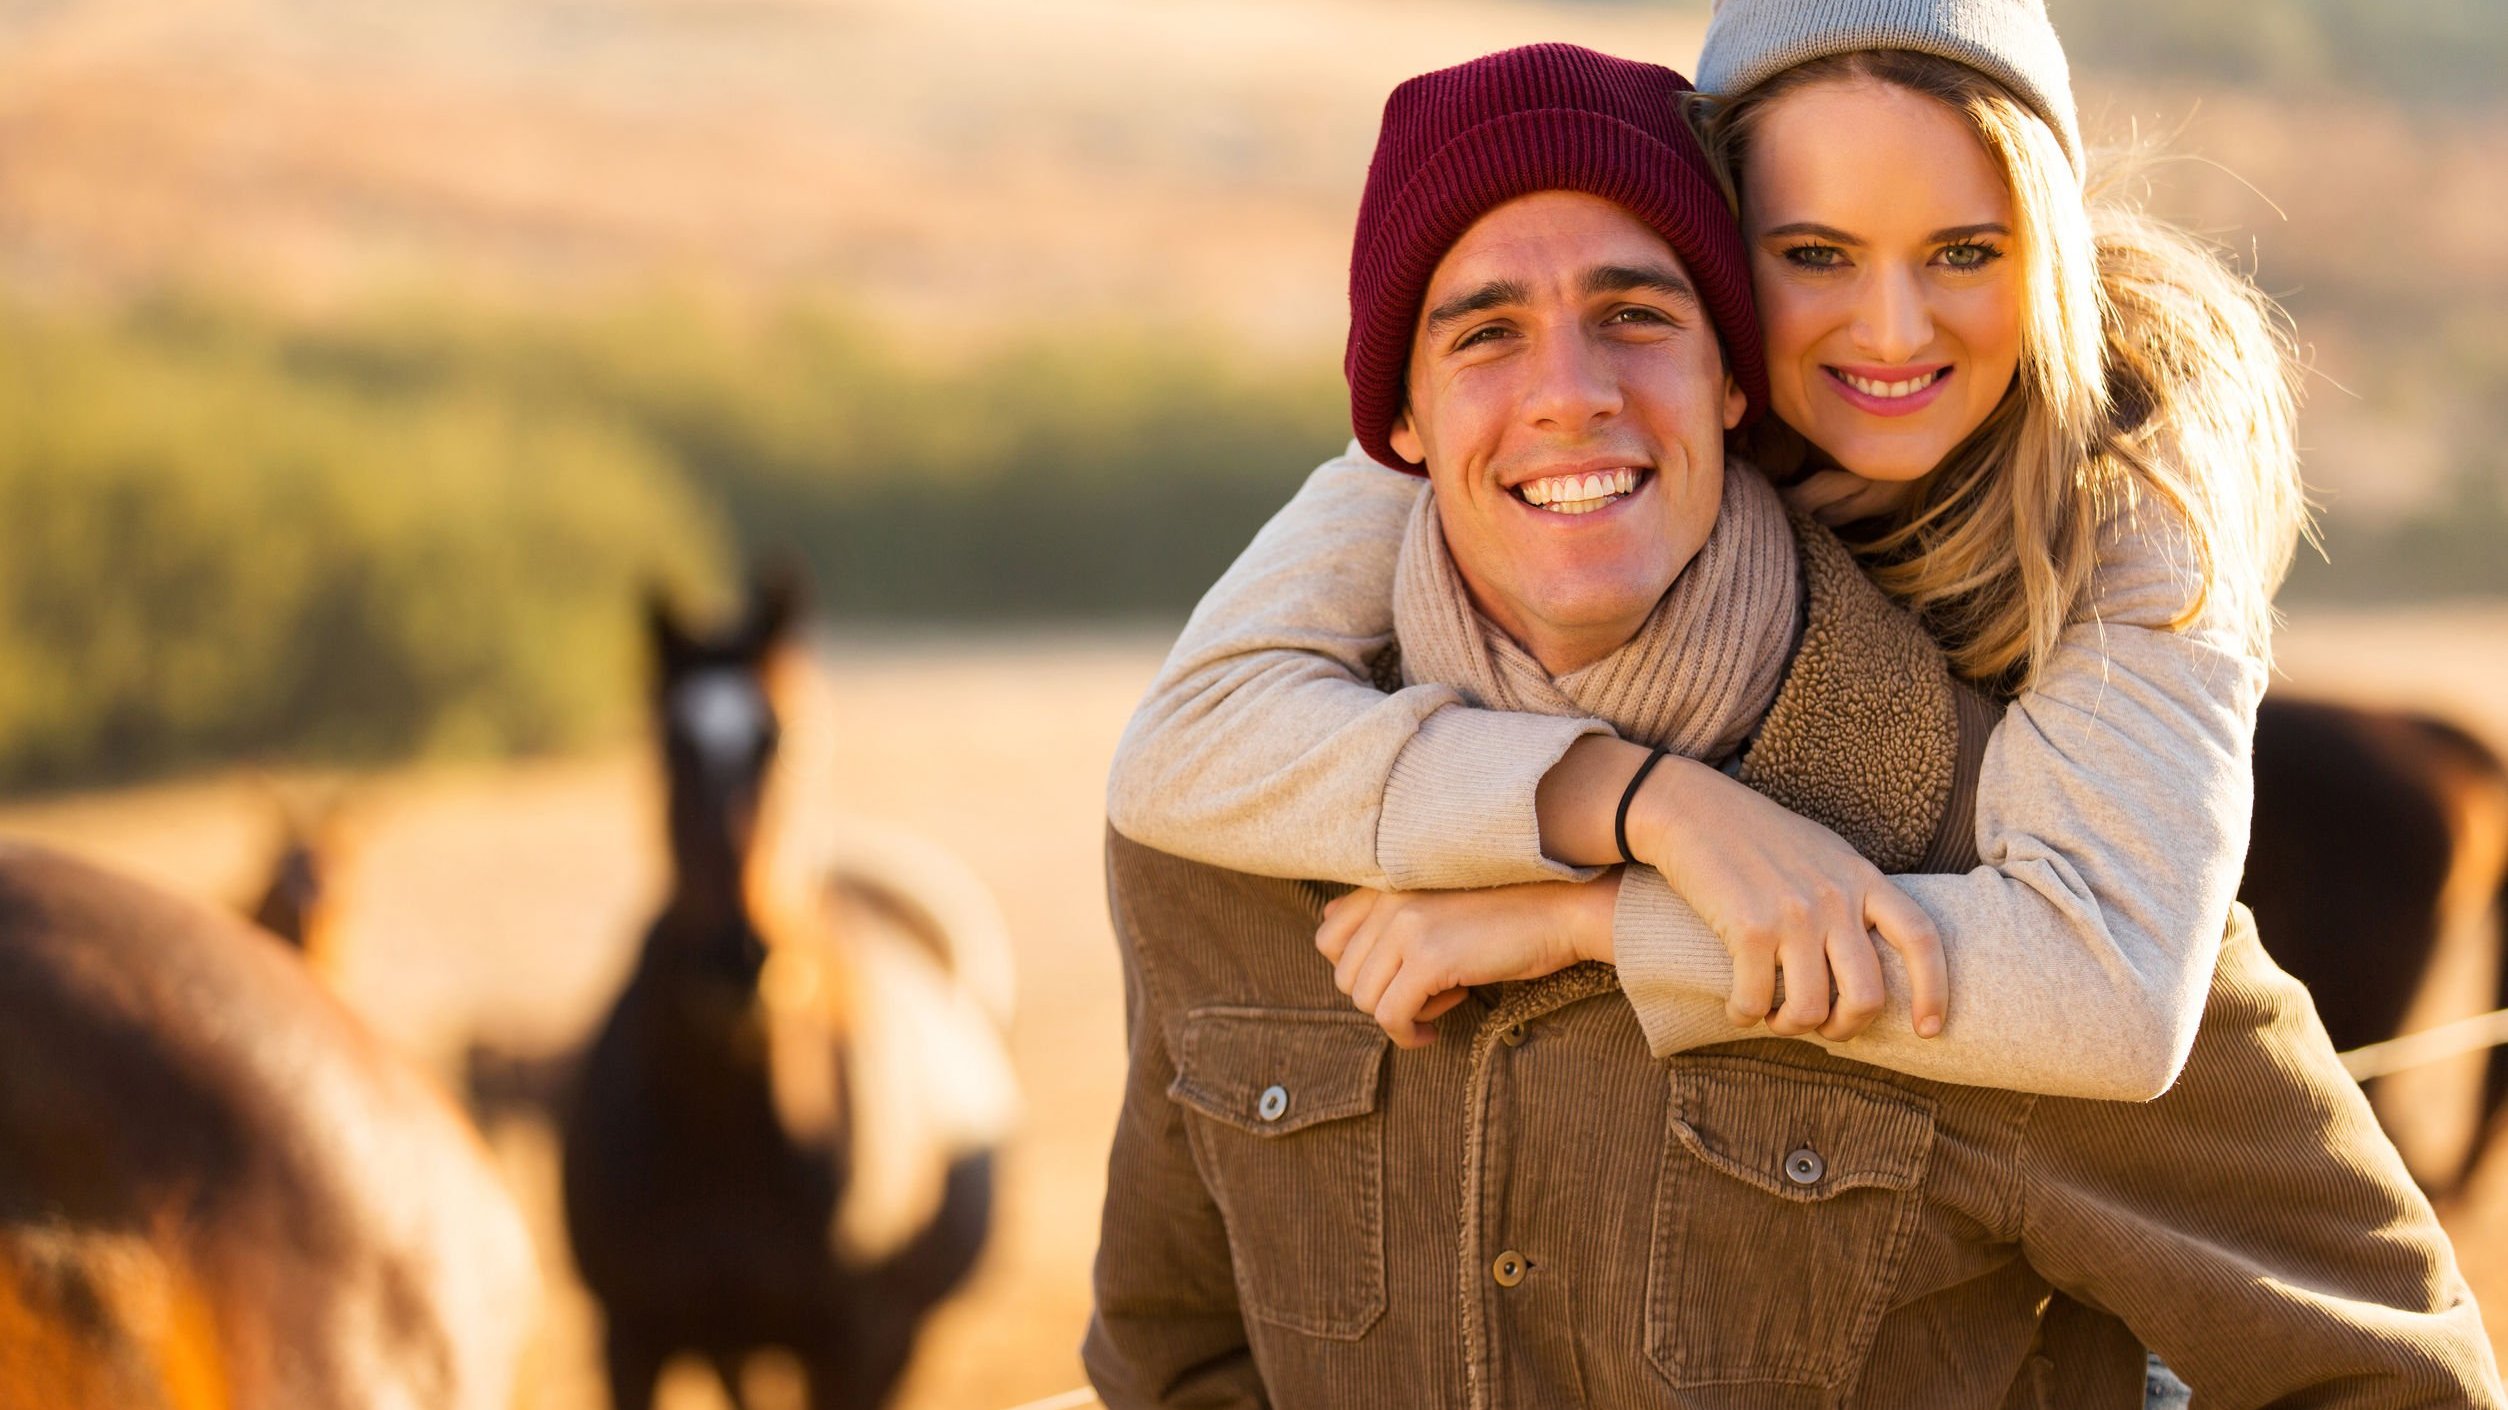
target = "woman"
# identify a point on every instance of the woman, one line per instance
(2058, 430)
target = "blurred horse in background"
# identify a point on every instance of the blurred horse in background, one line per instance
(783, 1135)
(217, 1188)
(301, 902)
(2378, 874)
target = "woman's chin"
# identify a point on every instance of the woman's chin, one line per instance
(1886, 459)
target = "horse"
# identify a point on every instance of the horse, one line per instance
(783, 1135)
(2378, 874)
(299, 902)
(218, 1188)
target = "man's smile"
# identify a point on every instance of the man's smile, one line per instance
(1583, 492)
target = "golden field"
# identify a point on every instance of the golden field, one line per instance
(504, 902)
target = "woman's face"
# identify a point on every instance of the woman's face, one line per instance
(1881, 234)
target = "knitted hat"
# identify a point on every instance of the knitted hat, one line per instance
(2009, 41)
(1460, 142)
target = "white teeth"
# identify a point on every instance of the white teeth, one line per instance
(1892, 390)
(1578, 494)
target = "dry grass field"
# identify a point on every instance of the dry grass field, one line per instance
(504, 901)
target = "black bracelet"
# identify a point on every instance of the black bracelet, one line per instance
(1628, 795)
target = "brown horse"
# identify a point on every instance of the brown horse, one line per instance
(300, 902)
(2378, 874)
(217, 1188)
(782, 1136)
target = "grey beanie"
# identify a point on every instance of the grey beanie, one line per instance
(2009, 41)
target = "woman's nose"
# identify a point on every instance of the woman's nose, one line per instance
(1892, 323)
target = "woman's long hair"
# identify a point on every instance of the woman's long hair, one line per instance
(2148, 367)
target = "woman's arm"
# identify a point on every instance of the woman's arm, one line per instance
(2112, 817)
(1261, 746)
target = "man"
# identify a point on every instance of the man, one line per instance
(1531, 1211)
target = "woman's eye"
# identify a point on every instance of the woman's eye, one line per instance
(1815, 256)
(1970, 256)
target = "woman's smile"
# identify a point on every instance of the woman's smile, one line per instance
(1889, 391)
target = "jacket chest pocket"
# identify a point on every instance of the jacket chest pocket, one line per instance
(1287, 1135)
(1789, 1201)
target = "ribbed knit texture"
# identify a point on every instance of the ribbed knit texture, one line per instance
(2009, 41)
(1460, 142)
(1694, 679)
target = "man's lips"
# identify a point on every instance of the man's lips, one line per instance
(1577, 492)
(1889, 391)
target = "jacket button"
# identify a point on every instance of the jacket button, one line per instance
(1509, 1269)
(1513, 1037)
(1274, 1103)
(1805, 1167)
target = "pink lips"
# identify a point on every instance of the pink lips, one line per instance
(1907, 405)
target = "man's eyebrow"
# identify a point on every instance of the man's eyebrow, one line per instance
(1660, 278)
(1497, 293)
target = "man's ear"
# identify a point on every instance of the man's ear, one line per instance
(1405, 439)
(1734, 402)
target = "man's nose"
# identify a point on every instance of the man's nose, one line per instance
(1892, 321)
(1575, 383)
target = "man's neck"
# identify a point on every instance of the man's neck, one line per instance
(1559, 649)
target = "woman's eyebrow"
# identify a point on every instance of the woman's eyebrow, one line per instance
(1950, 234)
(1816, 230)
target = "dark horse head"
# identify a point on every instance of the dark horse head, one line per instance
(720, 734)
(300, 902)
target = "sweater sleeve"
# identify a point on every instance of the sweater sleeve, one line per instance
(1262, 747)
(2112, 817)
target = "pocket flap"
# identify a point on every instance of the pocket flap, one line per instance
(1800, 1133)
(1274, 1071)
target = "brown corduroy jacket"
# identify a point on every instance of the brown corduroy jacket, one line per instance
(1534, 1212)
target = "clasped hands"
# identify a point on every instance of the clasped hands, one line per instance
(1785, 895)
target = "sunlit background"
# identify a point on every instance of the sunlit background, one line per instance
(362, 361)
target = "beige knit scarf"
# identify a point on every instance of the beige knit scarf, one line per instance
(1695, 679)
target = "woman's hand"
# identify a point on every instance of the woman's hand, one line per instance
(1836, 497)
(1407, 956)
(1784, 892)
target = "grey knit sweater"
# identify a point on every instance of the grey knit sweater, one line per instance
(2112, 810)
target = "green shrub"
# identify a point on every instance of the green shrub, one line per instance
(205, 555)
(422, 527)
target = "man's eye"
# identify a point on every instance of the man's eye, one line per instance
(1815, 256)
(1638, 314)
(1486, 334)
(1970, 255)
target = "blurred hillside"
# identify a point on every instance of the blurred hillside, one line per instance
(364, 357)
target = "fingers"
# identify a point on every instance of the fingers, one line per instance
(1364, 934)
(1400, 1011)
(1856, 970)
(1905, 928)
(1439, 1005)
(1805, 957)
(1754, 985)
(1343, 915)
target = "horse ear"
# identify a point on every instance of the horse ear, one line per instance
(777, 596)
(662, 628)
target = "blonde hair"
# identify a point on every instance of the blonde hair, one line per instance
(2148, 367)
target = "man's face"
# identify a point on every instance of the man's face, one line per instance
(1569, 400)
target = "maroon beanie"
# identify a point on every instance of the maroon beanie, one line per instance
(1460, 142)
